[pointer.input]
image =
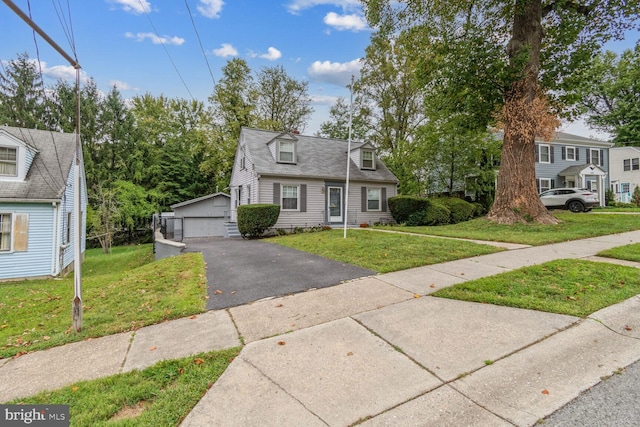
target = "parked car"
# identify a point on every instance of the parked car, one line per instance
(574, 199)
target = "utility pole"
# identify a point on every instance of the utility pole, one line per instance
(76, 304)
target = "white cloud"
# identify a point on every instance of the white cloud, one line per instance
(296, 6)
(136, 7)
(323, 99)
(337, 73)
(272, 54)
(121, 86)
(345, 22)
(210, 8)
(175, 40)
(225, 50)
(62, 72)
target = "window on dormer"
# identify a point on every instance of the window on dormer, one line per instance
(368, 160)
(8, 163)
(286, 152)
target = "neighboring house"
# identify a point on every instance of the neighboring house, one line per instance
(37, 224)
(624, 164)
(306, 176)
(573, 161)
(201, 217)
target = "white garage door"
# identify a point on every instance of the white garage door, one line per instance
(203, 227)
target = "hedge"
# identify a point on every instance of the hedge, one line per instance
(461, 210)
(254, 220)
(402, 207)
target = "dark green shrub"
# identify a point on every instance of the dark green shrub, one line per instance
(401, 207)
(479, 209)
(609, 197)
(460, 210)
(437, 214)
(635, 197)
(254, 220)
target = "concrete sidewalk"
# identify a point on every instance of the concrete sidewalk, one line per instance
(376, 350)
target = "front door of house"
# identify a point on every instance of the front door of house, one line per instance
(334, 204)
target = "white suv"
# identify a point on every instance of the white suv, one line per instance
(574, 199)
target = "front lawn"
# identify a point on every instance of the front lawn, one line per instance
(573, 287)
(161, 395)
(628, 252)
(382, 252)
(573, 227)
(121, 291)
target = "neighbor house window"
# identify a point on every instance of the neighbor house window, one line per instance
(544, 184)
(570, 153)
(8, 164)
(286, 152)
(368, 161)
(635, 164)
(373, 199)
(248, 194)
(243, 158)
(595, 157)
(626, 164)
(5, 232)
(545, 153)
(625, 187)
(289, 197)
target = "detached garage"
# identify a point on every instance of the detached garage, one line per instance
(201, 217)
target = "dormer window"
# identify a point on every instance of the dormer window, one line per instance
(368, 160)
(8, 161)
(286, 152)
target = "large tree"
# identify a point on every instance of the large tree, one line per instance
(337, 126)
(544, 43)
(22, 101)
(610, 95)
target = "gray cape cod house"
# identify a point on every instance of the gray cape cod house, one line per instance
(306, 176)
(37, 223)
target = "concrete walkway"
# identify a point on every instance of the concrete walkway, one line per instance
(375, 351)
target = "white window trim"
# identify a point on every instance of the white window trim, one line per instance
(293, 152)
(597, 151)
(566, 150)
(10, 248)
(379, 190)
(16, 163)
(297, 187)
(373, 159)
(548, 161)
(542, 187)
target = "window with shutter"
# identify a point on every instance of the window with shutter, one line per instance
(5, 232)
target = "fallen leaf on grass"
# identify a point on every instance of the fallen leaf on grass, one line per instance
(46, 337)
(198, 361)
(74, 388)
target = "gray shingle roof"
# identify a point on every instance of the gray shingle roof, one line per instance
(316, 157)
(47, 177)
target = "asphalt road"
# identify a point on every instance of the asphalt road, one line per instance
(614, 402)
(242, 271)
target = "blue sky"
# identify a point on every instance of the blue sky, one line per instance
(125, 42)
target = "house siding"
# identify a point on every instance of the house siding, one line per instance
(243, 177)
(37, 260)
(67, 252)
(619, 175)
(551, 170)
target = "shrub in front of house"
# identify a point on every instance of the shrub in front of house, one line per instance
(435, 214)
(402, 207)
(254, 220)
(635, 197)
(479, 209)
(461, 210)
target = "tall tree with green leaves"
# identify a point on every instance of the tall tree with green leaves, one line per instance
(543, 44)
(283, 102)
(22, 100)
(337, 126)
(610, 95)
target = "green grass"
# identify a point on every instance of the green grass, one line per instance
(571, 287)
(382, 252)
(121, 291)
(573, 227)
(628, 252)
(161, 395)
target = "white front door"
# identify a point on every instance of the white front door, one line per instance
(334, 204)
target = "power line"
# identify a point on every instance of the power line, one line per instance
(200, 41)
(165, 49)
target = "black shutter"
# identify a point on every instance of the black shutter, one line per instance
(276, 193)
(363, 196)
(577, 153)
(537, 153)
(552, 149)
(601, 158)
(303, 197)
(553, 183)
(383, 196)
(588, 156)
(564, 153)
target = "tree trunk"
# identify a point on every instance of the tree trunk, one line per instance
(516, 199)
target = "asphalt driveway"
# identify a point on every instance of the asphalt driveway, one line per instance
(243, 271)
